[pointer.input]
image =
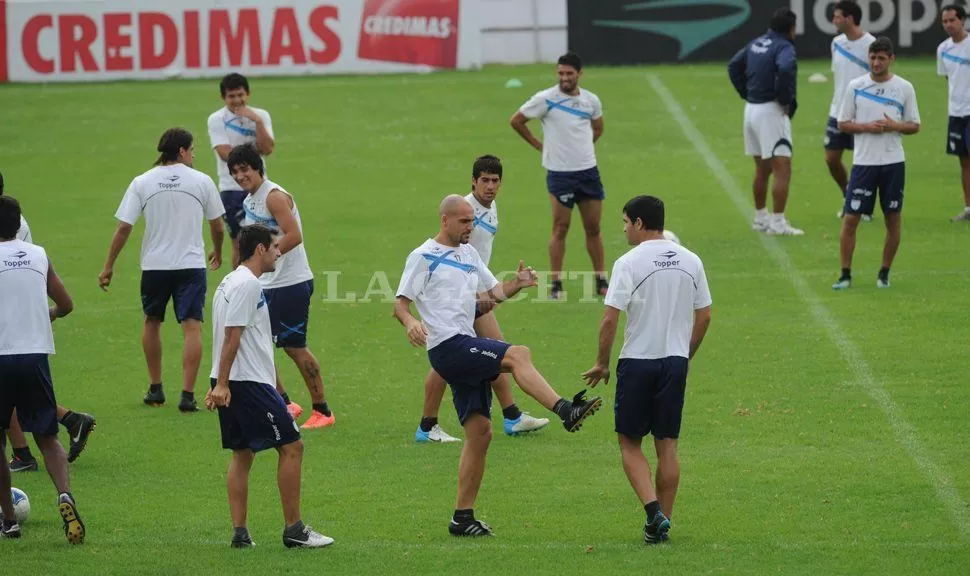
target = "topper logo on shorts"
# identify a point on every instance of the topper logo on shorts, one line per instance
(410, 31)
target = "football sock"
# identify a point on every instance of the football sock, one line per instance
(295, 530)
(763, 213)
(155, 388)
(512, 412)
(967, 209)
(557, 285)
(322, 408)
(428, 423)
(240, 533)
(186, 395)
(884, 273)
(846, 274)
(23, 453)
(562, 408)
(69, 419)
(466, 515)
(652, 508)
(286, 398)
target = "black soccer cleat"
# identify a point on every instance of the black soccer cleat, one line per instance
(582, 408)
(73, 527)
(17, 464)
(246, 542)
(473, 528)
(656, 532)
(188, 405)
(9, 530)
(79, 433)
(155, 398)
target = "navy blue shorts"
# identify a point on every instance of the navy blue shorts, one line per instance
(866, 181)
(650, 396)
(26, 385)
(469, 365)
(835, 140)
(186, 289)
(289, 313)
(232, 201)
(958, 136)
(256, 418)
(572, 187)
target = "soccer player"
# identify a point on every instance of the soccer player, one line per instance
(764, 75)
(174, 198)
(878, 109)
(27, 280)
(663, 289)
(850, 59)
(290, 287)
(234, 124)
(445, 277)
(572, 122)
(78, 424)
(252, 415)
(486, 182)
(953, 61)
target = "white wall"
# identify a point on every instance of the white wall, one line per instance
(523, 31)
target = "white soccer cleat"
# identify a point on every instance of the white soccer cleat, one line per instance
(307, 539)
(436, 434)
(783, 228)
(760, 223)
(523, 424)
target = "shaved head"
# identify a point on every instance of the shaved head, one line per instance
(457, 219)
(451, 204)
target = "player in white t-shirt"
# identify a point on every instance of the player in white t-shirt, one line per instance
(850, 60)
(953, 61)
(663, 289)
(445, 278)
(235, 124)
(878, 109)
(486, 182)
(27, 280)
(252, 415)
(572, 122)
(290, 288)
(175, 199)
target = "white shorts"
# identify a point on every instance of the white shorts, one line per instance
(767, 130)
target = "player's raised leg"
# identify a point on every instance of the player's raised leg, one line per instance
(309, 368)
(292, 407)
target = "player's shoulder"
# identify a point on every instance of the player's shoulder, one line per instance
(860, 81)
(426, 247)
(904, 83)
(262, 112)
(218, 114)
(868, 38)
(588, 94)
(840, 39)
(944, 45)
(547, 92)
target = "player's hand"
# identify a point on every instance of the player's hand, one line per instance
(889, 124)
(538, 146)
(417, 334)
(247, 112)
(525, 276)
(595, 374)
(104, 279)
(485, 306)
(878, 127)
(215, 260)
(218, 396)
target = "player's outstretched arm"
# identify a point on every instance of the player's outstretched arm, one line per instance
(518, 123)
(280, 206)
(702, 320)
(63, 304)
(601, 370)
(525, 277)
(118, 241)
(417, 333)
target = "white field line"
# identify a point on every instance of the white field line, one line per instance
(861, 372)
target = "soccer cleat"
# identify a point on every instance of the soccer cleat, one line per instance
(524, 424)
(246, 542)
(656, 531)
(79, 434)
(436, 434)
(318, 420)
(962, 216)
(842, 284)
(307, 539)
(19, 465)
(188, 405)
(783, 228)
(11, 530)
(882, 282)
(555, 293)
(760, 223)
(581, 409)
(474, 528)
(294, 409)
(73, 527)
(155, 398)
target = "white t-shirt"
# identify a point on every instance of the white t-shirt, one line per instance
(953, 61)
(225, 128)
(239, 301)
(25, 322)
(175, 200)
(867, 101)
(292, 267)
(659, 284)
(850, 59)
(567, 141)
(24, 232)
(486, 227)
(443, 282)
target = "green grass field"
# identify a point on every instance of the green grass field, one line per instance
(824, 433)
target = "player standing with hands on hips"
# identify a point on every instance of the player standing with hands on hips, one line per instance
(663, 289)
(953, 61)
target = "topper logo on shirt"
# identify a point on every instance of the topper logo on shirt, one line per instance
(172, 178)
(19, 262)
(20, 254)
(669, 254)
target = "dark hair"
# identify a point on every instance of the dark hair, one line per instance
(882, 44)
(783, 21)
(245, 154)
(961, 12)
(571, 59)
(647, 209)
(173, 140)
(850, 8)
(9, 217)
(232, 82)
(252, 236)
(487, 164)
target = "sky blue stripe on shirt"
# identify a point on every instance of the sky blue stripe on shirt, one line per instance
(852, 57)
